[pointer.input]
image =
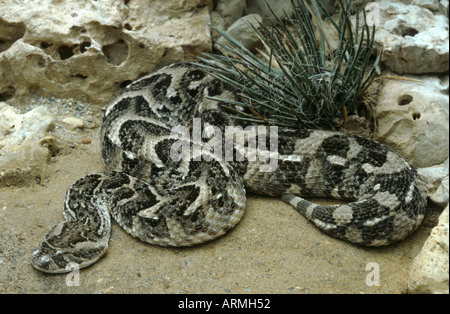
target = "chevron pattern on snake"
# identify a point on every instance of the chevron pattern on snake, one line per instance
(180, 203)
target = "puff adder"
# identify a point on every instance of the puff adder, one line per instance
(169, 202)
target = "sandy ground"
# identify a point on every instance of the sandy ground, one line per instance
(272, 250)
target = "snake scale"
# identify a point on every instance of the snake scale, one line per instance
(181, 202)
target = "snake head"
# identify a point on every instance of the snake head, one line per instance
(60, 249)
(47, 261)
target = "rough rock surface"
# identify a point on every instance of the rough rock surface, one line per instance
(89, 49)
(414, 40)
(437, 181)
(25, 145)
(261, 7)
(413, 119)
(432, 5)
(429, 272)
(243, 31)
(225, 13)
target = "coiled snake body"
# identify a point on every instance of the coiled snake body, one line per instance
(170, 202)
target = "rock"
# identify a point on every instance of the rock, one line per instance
(429, 272)
(436, 178)
(263, 8)
(414, 40)
(88, 50)
(25, 146)
(49, 143)
(243, 31)
(440, 197)
(359, 4)
(443, 7)
(282, 8)
(413, 119)
(74, 123)
(226, 13)
(432, 5)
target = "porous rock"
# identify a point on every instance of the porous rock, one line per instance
(264, 8)
(283, 8)
(88, 50)
(243, 31)
(432, 5)
(225, 13)
(429, 271)
(25, 145)
(414, 40)
(437, 181)
(412, 117)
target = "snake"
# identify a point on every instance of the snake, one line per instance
(174, 176)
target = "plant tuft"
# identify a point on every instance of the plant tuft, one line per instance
(298, 81)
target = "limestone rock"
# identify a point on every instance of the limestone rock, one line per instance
(359, 4)
(25, 146)
(242, 30)
(429, 272)
(437, 181)
(74, 123)
(256, 11)
(88, 50)
(226, 13)
(414, 40)
(281, 8)
(413, 119)
(440, 196)
(432, 5)
(443, 7)
(262, 8)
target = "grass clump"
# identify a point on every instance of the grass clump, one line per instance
(298, 81)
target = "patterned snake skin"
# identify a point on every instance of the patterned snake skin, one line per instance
(170, 202)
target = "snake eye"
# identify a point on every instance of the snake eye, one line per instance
(44, 260)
